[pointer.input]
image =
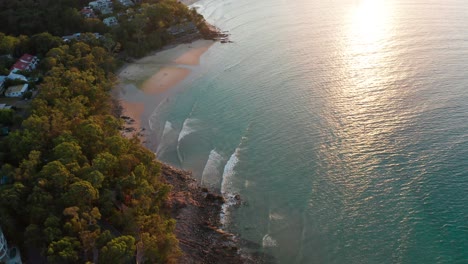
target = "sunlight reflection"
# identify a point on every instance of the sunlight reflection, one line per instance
(370, 24)
(364, 104)
(369, 19)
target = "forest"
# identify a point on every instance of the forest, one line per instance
(142, 28)
(77, 191)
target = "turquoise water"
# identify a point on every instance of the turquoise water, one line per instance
(343, 125)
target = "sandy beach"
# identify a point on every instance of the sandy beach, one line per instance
(148, 81)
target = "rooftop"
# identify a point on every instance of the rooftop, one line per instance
(27, 58)
(18, 88)
(14, 76)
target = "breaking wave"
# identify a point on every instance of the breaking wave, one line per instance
(227, 186)
(168, 128)
(187, 129)
(275, 216)
(269, 241)
(211, 170)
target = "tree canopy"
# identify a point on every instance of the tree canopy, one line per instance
(81, 191)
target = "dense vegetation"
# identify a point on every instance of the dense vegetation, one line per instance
(142, 28)
(77, 191)
(145, 29)
(59, 17)
(80, 191)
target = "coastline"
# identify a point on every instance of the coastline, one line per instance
(196, 209)
(146, 82)
(144, 85)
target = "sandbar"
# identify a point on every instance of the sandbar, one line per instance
(146, 82)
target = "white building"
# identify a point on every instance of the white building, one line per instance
(110, 21)
(3, 247)
(2, 82)
(126, 3)
(15, 76)
(103, 6)
(27, 62)
(8, 256)
(5, 106)
(17, 90)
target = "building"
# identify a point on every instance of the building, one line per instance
(15, 76)
(2, 83)
(3, 247)
(103, 6)
(126, 3)
(110, 21)
(81, 36)
(71, 37)
(5, 106)
(87, 12)
(8, 256)
(17, 90)
(27, 62)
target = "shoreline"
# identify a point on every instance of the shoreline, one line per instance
(196, 209)
(144, 85)
(149, 81)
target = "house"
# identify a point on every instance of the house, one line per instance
(126, 3)
(2, 82)
(3, 247)
(71, 37)
(8, 255)
(87, 12)
(103, 6)
(5, 106)
(27, 62)
(17, 90)
(15, 76)
(80, 36)
(4, 131)
(110, 21)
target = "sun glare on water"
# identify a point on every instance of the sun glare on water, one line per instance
(368, 35)
(369, 19)
(365, 88)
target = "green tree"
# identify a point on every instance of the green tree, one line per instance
(7, 44)
(82, 194)
(118, 250)
(64, 250)
(57, 177)
(52, 228)
(6, 116)
(41, 43)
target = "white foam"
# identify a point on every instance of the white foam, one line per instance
(276, 216)
(153, 121)
(269, 241)
(227, 186)
(228, 173)
(196, 6)
(212, 166)
(168, 128)
(247, 183)
(187, 128)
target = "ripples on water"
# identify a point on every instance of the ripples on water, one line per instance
(358, 127)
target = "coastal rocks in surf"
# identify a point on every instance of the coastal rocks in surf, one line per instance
(197, 211)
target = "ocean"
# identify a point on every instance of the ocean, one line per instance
(342, 125)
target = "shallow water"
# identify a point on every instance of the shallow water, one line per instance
(343, 125)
